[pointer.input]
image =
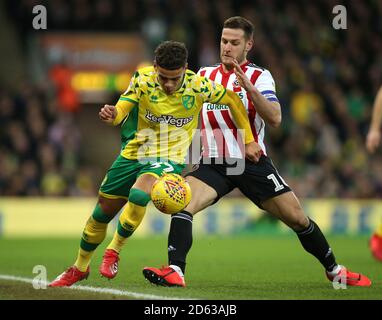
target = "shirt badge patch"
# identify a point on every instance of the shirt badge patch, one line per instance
(188, 101)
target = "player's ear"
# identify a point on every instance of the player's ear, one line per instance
(249, 45)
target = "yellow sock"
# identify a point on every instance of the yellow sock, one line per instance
(94, 233)
(117, 243)
(83, 259)
(129, 220)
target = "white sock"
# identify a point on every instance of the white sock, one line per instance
(177, 269)
(336, 270)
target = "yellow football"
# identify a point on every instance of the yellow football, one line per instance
(171, 193)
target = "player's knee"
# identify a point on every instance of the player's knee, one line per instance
(198, 203)
(202, 196)
(139, 197)
(110, 207)
(299, 223)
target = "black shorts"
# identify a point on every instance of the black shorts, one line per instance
(259, 182)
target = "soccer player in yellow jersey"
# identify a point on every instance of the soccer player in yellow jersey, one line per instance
(157, 114)
(373, 140)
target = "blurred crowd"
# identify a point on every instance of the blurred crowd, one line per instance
(326, 81)
(40, 147)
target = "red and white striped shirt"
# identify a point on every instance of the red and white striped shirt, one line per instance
(219, 132)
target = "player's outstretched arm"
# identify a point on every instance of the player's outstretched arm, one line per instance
(114, 115)
(373, 138)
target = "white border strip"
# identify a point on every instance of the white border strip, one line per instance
(98, 290)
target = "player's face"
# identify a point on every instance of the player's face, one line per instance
(233, 45)
(170, 80)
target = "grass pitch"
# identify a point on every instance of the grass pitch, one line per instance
(234, 268)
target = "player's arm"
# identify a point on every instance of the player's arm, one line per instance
(252, 150)
(216, 93)
(115, 114)
(373, 138)
(239, 114)
(270, 111)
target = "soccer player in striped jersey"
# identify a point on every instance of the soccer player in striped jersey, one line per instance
(161, 105)
(260, 182)
(373, 140)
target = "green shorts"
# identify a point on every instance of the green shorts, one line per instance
(124, 172)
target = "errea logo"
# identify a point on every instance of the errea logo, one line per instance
(168, 119)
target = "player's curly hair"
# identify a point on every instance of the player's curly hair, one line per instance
(171, 55)
(240, 23)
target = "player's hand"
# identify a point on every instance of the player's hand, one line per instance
(108, 113)
(243, 80)
(373, 140)
(253, 151)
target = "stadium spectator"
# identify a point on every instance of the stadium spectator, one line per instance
(40, 148)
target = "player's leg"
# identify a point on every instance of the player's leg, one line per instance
(208, 184)
(180, 237)
(276, 197)
(180, 234)
(113, 194)
(376, 243)
(129, 220)
(93, 234)
(134, 211)
(139, 197)
(207, 187)
(96, 227)
(267, 189)
(288, 209)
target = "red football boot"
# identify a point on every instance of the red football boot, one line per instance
(376, 246)
(349, 278)
(166, 276)
(109, 266)
(69, 277)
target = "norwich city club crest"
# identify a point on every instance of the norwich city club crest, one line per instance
(188, 101)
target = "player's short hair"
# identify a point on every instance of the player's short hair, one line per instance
(240, 23)
(171, 55)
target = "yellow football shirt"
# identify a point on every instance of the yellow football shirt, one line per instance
(155, 125)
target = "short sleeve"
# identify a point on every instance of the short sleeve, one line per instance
(132, 92)
(266, 86)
